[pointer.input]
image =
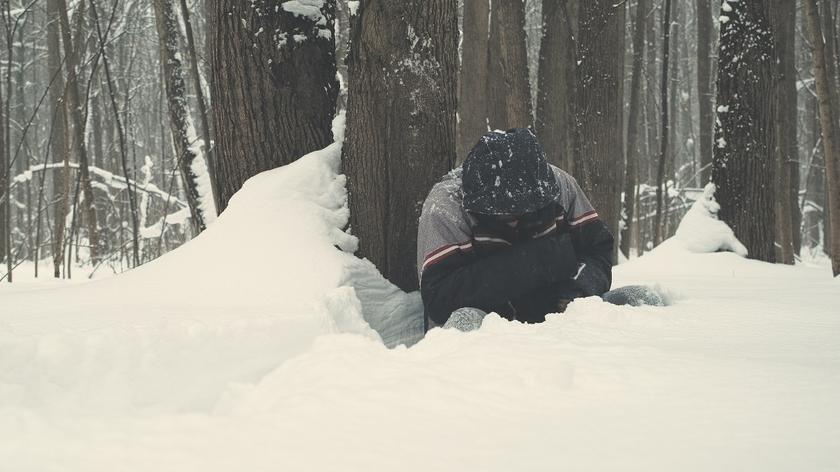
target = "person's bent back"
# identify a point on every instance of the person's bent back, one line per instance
(509, 233)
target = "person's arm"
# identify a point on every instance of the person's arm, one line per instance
(593, 244)
(462, 280)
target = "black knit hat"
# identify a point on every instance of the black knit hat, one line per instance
(506, 173)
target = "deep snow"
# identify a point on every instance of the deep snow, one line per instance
(246, 349)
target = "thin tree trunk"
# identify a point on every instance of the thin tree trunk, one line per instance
(61, 181)
(831, 146)
(508, 91)
(77, 137)
(391, 169)
(744, 155)
(179, 119)
(274, 75)
(203, 113)
(5, 198)
(705, 95)
(132, 204)
(472, 78)
(631, 173)
(783, 21)
(658, 230)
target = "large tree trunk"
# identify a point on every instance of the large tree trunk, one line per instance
(274, 86)
(472, 77)
(783, 20)
(77, 137)
(400, 124)
(190, 164)
(555, 120)
(831, 146)
(508, 90)
(705, 96)
(631, 172)
(744, 157)
(600, 105)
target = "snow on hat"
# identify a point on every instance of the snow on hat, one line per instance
(506, 173)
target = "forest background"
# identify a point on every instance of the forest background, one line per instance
(127, 125)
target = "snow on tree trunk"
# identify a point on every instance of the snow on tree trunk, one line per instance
(184, 138)
(508, 91)
(600, 105)
(744, 152)
(555, 120)
(472, 77)
(203, 112)
(400, 124)
(831, 142)
(273, 86)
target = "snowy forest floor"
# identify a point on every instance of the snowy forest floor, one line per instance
(247, 349)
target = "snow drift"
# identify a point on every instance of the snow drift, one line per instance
(246, 349)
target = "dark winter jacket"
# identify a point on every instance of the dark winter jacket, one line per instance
(465, 259)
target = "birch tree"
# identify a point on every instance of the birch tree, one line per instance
(191, 164)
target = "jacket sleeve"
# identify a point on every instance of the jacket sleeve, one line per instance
(593, 245)
(488, 282)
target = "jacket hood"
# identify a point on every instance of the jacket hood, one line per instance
(506, 173)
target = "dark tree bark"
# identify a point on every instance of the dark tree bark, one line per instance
(400, 124)
(508, 91)
(744, 157)
(831, 142)
(555, 120)
(273, 86)
(705, 95)
(783, 21)
(631, 172)
(176, 98)
(472, 77)
(600, 105)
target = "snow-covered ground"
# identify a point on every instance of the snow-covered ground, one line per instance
(246, 350)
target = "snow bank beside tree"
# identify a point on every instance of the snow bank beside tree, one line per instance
(246, 349)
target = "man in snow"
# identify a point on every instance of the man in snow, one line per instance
(509, 233)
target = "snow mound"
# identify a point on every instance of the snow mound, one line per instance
(701, 231)
(272, 274)
(246, 349)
